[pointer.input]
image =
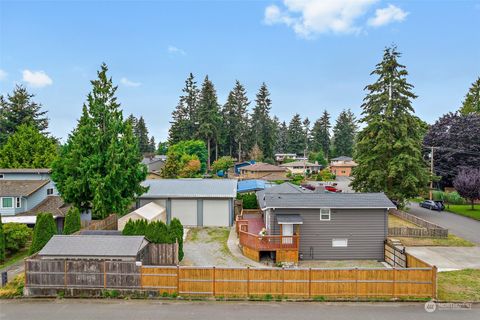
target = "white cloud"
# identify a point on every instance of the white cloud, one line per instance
(310, 17)
(3, 75)
(129, 83)
(36, 78)
(175, 50)
(387, 15)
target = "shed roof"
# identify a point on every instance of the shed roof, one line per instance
(328, 200)
(20, 188)
(190, 188)
(250, 185)
(148, 211)
(26, 170)
(93, 246)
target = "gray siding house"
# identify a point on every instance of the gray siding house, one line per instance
(330, 226)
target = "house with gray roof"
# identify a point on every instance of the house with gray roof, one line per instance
(325, 226)
(195, 202)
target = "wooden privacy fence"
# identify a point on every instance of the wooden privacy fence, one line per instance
(109, 223)
(294, 283)
(161, 254)
(430, 230)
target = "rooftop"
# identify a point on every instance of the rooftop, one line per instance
(41, 170)
(328, 200)
(94, 246)
(342, 158)
(300, 163)
(263, 167)
(52, 204)
(190, 188)
(20, 188)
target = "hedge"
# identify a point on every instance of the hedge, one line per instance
(72, 221)
(44, 230)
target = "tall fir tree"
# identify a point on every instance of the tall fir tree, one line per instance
(471, 104)
(208, 115)
(141, 132)
(99, 166)
(295, 136)
(389, 147)
(17, 109)
(152, 147)
(235, 121)
(185, 124)
(261, 132)
(344, 133)
(282, 138)
(307, 134)
(321, 134)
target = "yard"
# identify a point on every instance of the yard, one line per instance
(341, 264)
(461, 285)
(465, 210)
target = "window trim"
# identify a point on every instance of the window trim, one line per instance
(340, 239)
(1, 203)
(329, 214)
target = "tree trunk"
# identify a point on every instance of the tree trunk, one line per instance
(239, 152)
(216, 150)
(208, 160)
(473, 204)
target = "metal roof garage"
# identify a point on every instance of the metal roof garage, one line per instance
(195, 202)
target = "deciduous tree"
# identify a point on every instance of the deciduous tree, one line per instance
(467, 184)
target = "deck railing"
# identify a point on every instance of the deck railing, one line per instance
(268, 242)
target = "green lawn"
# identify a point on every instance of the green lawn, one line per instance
(465, 210)
(463, 285)
(14, 258)
(451, 241)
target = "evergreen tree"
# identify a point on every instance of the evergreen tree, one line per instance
(235, 121)
(388, 150)
(73, 221)
(185, 124)
(2, 242)
(45, 229)
(141, 132)
(28, 148)
(295, 136)
(133, 121)
(18, 109)
(176, 230)
(281, 140)
(99, 167)
(471, 104)
(208, 115)
(321, 134)
(344, 134)
(262, 134)
(162, 148)
(152, 145)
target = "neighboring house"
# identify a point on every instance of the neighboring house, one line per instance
(342, 166)
(280, 157)
(263, 171)
(150, 212)
(195, 202)
(154, 164)
(237, 166)
(95, 247)
(302, 167)
(305, 225)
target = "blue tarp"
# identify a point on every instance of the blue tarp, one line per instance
(251, 185)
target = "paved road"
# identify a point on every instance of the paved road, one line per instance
(142, 309)
(458, 225)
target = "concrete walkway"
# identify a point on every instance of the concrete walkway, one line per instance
(233, 246)
(448, 258)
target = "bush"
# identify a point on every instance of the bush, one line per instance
(72, 221)
(44, 230)
(176, 230)
(16, 236)
(2, 243)
(249, 200)
(140, 227)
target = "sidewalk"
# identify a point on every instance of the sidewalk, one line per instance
(232, 244)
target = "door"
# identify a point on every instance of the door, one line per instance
(287, 231)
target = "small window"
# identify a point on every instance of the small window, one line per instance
(339, 242)
(325, 214)
(7, 202)
(1, 175)
(18, 202)
(49, 191)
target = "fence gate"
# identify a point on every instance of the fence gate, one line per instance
(395, 254)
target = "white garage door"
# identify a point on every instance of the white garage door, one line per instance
(216, 213)
(185, 211)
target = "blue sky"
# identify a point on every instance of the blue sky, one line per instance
(313, 54)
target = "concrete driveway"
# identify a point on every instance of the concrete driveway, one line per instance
(448, 258)
(463, 227)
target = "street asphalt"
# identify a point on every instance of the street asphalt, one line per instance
(62, 309)
(461, 226)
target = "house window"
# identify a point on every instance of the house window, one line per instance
(339, 242)
(18, 202)
(7, 202)
(343, 171)
(1, 175)
(49, 191)
(325, 214)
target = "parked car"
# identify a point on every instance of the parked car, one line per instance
(332, 189)
(432, 205)
(308, 186)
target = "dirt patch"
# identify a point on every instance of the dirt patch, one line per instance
(341, 264)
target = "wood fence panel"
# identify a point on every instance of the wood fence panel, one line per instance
(44, 273)
(162, 254)
(231, 282)
(296, 283)
(163, 279)
(266, 281)
(196, 281)
(84, 273)
(334, 282)
(414, 283)
(381, 286)
(122, 274)
(414, 262)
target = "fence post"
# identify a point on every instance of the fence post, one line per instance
(65, 273)
(25, 271)
(309, 282)
(283, 281)
(434, 282)
(394, 284)
(178, 279)
(213, 284)
(356, 283)
(248, 282)
(104, 273)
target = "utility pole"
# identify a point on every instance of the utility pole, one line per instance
(431, 173)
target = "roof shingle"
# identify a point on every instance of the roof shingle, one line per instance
(20, 188)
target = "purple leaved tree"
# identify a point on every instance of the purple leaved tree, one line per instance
(467, 184)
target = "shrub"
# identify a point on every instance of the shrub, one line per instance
(454, 198)
(16, 236)
(129, 228)
(249, 200)
(72, 221)
(2, 243)
(176, 229)
(44, 230)
(140, 227)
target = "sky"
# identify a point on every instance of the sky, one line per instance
(312, 54)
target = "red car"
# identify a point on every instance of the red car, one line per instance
(332, 189)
